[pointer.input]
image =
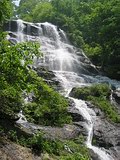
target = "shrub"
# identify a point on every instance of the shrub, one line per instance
(47, 107)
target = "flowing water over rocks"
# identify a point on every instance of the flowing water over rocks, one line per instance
(71, 67)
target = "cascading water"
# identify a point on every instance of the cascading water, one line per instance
(71, 67)
(20, 31)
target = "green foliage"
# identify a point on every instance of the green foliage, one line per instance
(24, 11)
(56, 148)
(47, 107)
(17, 78)
(99, 95)
(93, 52)
(106, 107)
(93, 25)
(96, 90)
(13, 135)
(5, 11)
(43, 12)
(14, 74)
(103, 22)
(78, 150)
(1, 129)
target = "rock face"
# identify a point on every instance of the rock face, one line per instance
(13, 27)
(48, 76)
(66, 132)
(74, 112)
(116, 95)
(107, 135)
(12, 151)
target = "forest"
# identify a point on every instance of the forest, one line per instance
(91, 25)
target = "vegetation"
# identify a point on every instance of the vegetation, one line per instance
(92, 25)
(99, 95)
(17, 79)
(88, 24)
(14, 73)
(5, 11)
(54, 148)
(47, 107)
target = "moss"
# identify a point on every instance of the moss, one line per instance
(107, 108)
(96, 90)
(98, 94)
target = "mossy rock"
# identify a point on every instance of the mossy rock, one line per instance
(98, 95)
(96, 90)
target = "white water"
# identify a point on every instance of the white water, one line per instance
(22, 118)
(70, 69)
(89, 117)
(20, 34)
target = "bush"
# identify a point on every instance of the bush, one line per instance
(47, 107)
(96, 90)
(14, 74)
(56, 148)
(107, 108)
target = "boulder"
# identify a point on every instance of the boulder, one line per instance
(77, 117)
(107, 135)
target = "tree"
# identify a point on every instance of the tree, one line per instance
(43, 12)
(5, 11)
(14, 74)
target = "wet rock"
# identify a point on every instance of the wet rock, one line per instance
(116, 95)
(64, 133)
(81, 126)
(11, 25)
(49, 77)
(77, 117)
(93, 155)
(12, 41)
(116, 152)
(90, 68)
(12, 35)
(106, 135)
(44, 73)
(30, 29)
(97, 111)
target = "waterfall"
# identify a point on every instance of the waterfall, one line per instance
(22, 118)
(71, 66)
(20, 34)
